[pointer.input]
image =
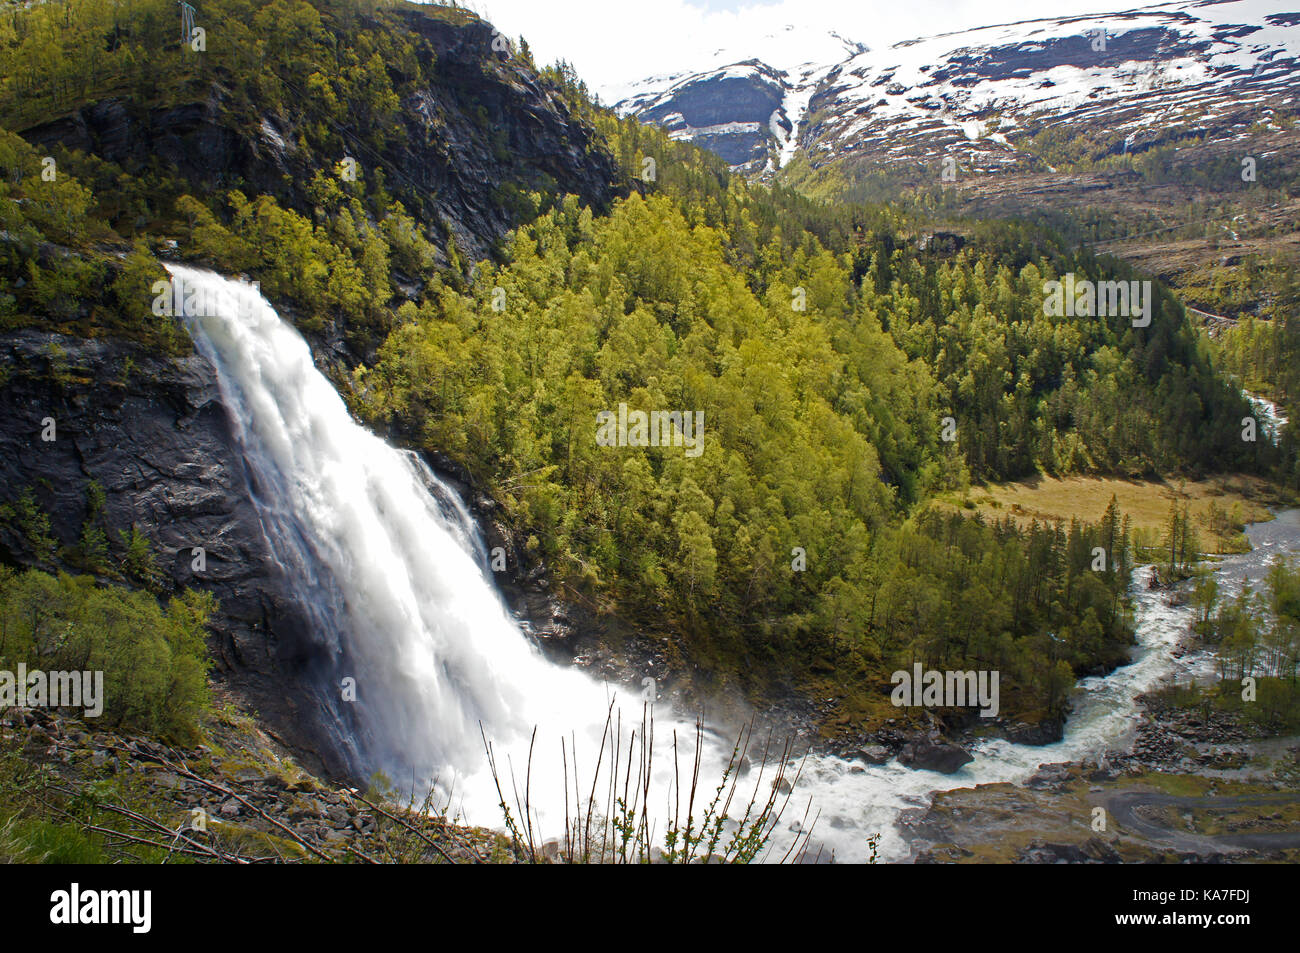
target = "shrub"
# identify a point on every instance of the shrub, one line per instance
(153, 658)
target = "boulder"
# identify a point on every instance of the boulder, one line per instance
(1048, 775)
(933, 755)
(874, 754)
(1092, 851)
(1045, 732)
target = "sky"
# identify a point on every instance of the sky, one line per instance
(614, 43)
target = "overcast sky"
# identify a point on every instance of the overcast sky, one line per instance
(615, 42)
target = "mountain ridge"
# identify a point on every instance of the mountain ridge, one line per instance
(855, 103)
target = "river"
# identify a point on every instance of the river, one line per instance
(427, 662)
(1270, 416)
(1104, 715)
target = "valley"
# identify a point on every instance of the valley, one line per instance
(1221, 506)
(1188, 783)
(380, 412)
(1163, 135)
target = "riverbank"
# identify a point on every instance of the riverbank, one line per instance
(1191, 790)
(72, 791)
(1196, 777)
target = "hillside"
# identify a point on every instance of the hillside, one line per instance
(1129, 124)
(486, 264)
(455, 133)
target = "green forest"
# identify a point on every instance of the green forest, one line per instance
(846, 371)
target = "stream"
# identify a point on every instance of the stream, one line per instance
(426, 663)
(1105, 712)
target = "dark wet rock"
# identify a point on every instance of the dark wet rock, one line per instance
(1191, 857)
(727, 112)
(1092, 851)
(874, 754)
(934, 756)
(942, 855)
(1049, 776)
(1045, 732)
(153, 433)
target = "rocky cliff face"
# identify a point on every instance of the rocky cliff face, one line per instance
(490, 122)
(735, 112)
(153, 434)
(151, 430)
(487, 121)
(748, 103)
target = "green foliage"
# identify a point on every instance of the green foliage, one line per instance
(53, 263)
(331, 74)
(94, 540)
(154, 659)
(339, 270)
(34, 523)
(1063, 394)
(138, 563)
(39, 841)
(823, 345)
(55, 56)
(1262, 349)
(1180, 546)
(1257, 634)
(819, 432)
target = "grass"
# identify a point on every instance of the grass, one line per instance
(1245, 499)
(609, 819)
(1267, 818)
(46, 842)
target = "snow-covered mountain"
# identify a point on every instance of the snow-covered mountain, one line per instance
(747, 102)
(1206, 67)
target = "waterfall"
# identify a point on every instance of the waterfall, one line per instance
(392, 573)
(1272, 420)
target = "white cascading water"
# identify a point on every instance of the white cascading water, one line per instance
(393, 574)
(1271, 418)
(392, 569)
(1104, 715)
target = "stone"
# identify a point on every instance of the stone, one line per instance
(874, 754)
(929, 755)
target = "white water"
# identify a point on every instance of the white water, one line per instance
(394, 578)
(1271, 418)
(1104, 715)
(392, 571)
(1103, 718)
